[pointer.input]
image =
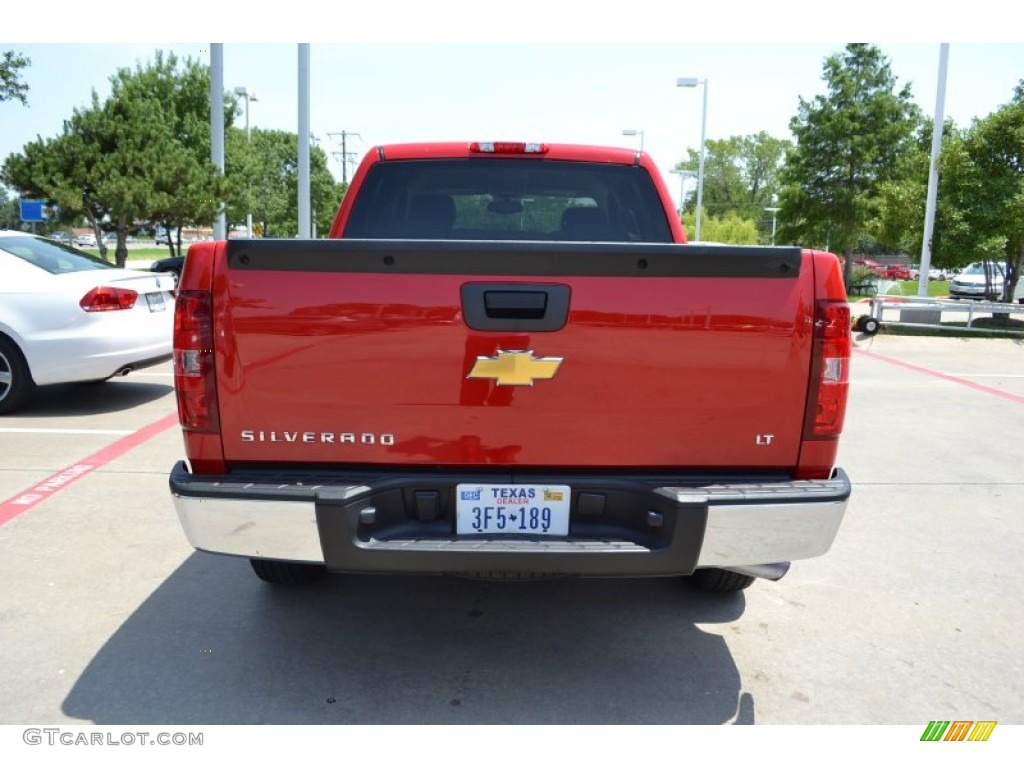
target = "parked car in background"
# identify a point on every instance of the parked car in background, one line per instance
(938, 274)
(172, 266)
(66, 316)
(971, 283)
(86, 241)
(896, 272)
(876, 268)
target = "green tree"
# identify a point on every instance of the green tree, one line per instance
(980, 204)
(723, 182)
(263, 173)
(741, 175)
(168, 168)
(848, 144)
(731, 229)
(898, 225)
(10, 214)
(12, 88)
(139, 157)
(62, 170)
(995, 150)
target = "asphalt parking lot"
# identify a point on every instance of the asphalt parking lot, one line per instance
(109, 617)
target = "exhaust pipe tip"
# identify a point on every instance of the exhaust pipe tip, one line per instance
(124, 371)
(769, 571)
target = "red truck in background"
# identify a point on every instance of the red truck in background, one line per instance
(507, 362)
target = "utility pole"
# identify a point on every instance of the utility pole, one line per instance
(344, 152)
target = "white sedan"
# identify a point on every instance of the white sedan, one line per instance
(66, 316)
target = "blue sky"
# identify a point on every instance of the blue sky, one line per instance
(559, 76)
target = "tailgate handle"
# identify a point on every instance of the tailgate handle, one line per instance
(515, 305)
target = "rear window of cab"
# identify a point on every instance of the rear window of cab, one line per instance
(494, 198)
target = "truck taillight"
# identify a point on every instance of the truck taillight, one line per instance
(105, 298)
(830, 371)
(508, 148)
(194, 378)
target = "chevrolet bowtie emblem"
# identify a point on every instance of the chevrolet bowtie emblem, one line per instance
(517, 368)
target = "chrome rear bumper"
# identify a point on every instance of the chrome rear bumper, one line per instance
(646, 529)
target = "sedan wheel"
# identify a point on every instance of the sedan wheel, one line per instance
(16, 384)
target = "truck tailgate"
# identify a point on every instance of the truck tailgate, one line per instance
(363, 352)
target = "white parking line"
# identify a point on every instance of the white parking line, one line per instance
(45, 431)
(946, 376)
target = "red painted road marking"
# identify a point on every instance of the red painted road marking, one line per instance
(944, 376)
(40, 492)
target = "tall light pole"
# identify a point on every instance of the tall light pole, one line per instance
(773, 210)
(635, 132)
(683, 176)
(693, 82)
(304, 201)
(933, 172)
(248, 95)
(220, 230)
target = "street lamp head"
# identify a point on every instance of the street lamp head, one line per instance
(687, 82)
(635, 132)
(245, 93)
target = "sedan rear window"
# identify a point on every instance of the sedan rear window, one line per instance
(55, 258)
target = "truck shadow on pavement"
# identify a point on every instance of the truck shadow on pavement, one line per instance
(213, 645)
(91, 399)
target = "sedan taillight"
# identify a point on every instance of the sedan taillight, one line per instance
(105, 298)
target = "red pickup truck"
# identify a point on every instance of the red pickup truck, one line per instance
(507, 362)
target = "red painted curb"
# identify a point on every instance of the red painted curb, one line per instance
(40, 492)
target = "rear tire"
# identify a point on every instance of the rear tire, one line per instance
(286, 573)
(16, 384)
(719, 581)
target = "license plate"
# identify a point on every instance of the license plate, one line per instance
(155, 302)
(525, 510)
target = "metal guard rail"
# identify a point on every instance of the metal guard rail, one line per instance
(970, 306)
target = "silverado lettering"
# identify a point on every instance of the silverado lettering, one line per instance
(581, 391)
(363, 438)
